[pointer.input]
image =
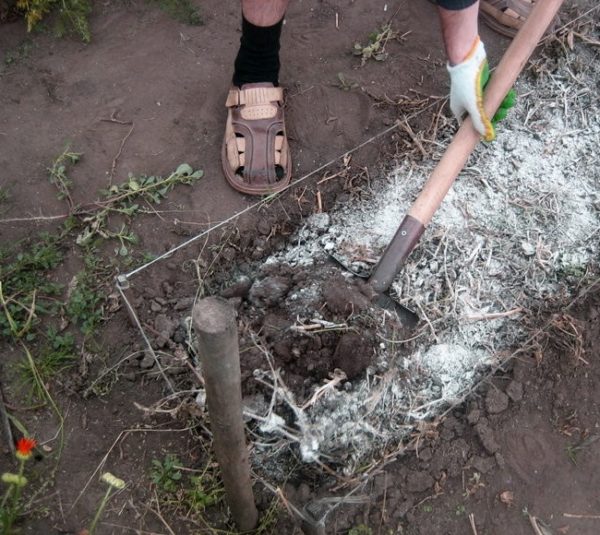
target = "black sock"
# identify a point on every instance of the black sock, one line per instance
(258, 57)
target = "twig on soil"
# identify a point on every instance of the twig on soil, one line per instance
(568, 24)
(406, 127)
(113, 119)
(427, 320)
(383, 510)
(338, 377)
(538, 526)
(319, 326)
(159, 515)
(115, 366)
(6, 422)
(472, 521)
(586, 517)
(493, 315)
(33, 219)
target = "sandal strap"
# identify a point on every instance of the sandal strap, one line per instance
(254, 96)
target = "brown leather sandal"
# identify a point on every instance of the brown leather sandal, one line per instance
(507, 16)
(255, 154)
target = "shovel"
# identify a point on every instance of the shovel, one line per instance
(454, 159)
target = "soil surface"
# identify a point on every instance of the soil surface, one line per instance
(525, 445)
(146, 95)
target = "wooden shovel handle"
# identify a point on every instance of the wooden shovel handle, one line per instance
(459, 150)
(467, 138)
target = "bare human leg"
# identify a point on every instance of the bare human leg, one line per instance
(264, 12)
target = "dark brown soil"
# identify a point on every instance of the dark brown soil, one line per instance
(524, 444)
(170, 81)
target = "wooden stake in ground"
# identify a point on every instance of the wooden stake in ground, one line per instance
(216, 330)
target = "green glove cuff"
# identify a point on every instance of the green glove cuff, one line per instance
(509, 100)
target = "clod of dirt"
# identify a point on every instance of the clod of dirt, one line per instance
(473, 416)
(268, 291)
(482, 464)
(274, 325)
(352, 354)
(403, 508)
(496, 401)
(240, 288)
(344, 298)
(419, 481)
(319, 222)
(184, 303)
(425, 454)
(164, 326)
(486, 435)
(515, 390)
(147, 361)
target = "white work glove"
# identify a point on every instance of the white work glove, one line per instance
(466, 89)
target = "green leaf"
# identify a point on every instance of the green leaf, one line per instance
(184, 169)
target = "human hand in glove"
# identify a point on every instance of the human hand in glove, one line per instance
(467, 81)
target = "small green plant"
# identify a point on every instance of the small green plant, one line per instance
(124, 199)
(84, 306)
(573, 450)
(114, 485)
(181, 10)
(56, 355)
(58, 174)
(186, 492)
(4, 194)
(375, 48)
(71, 16)
(460, 510)
(19, 53)
(25, 291)
(427, 508)
(360, 530)
(11, 505)
(203, 492)
(165, 474)
(344, 83)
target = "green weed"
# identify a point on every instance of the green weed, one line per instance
(189, 492)
(26, 294)
(361, 530)
(345, 84)
(84, 306)
(20, 53)
(56, 355)
(375, 47)
(573, 450)
(70, 16)
(124, 199)
(166, 474)
(181, 10)
(4, 194)
(58, 173)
